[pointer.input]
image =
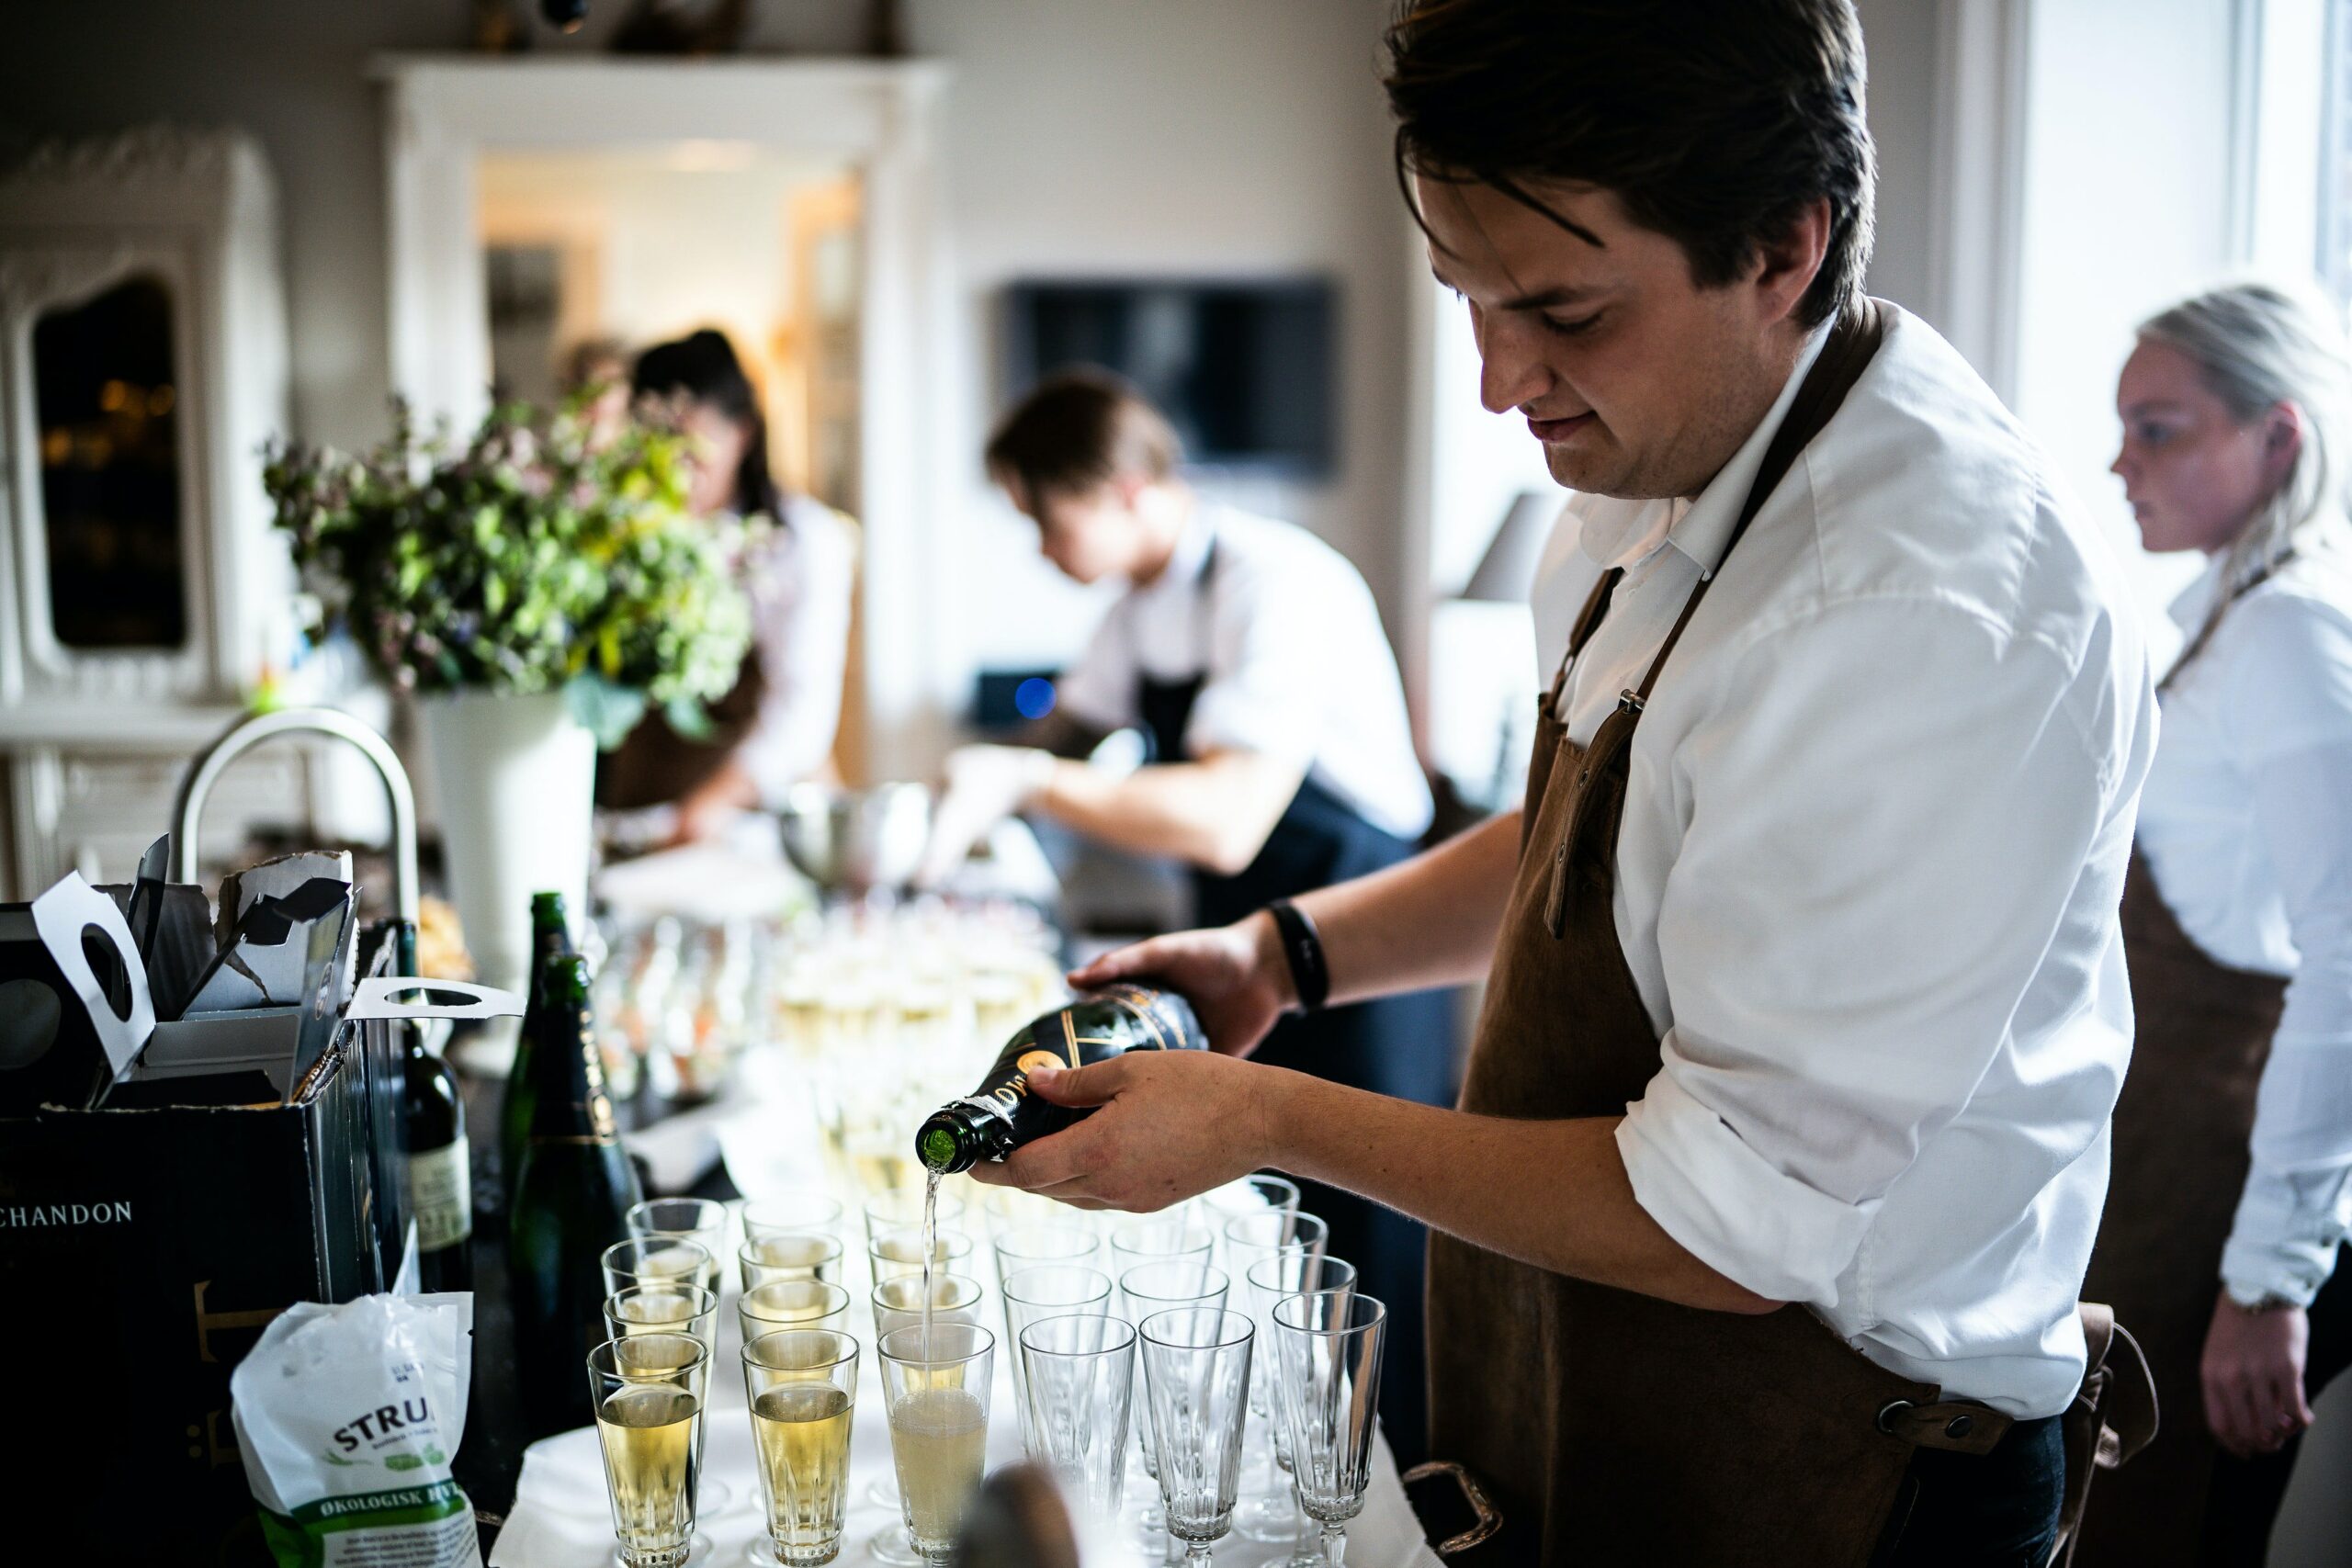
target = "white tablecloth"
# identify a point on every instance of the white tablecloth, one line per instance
(560, 1519)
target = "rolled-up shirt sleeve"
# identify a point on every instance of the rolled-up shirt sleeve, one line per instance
(1888, 811)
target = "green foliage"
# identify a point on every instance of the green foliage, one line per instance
(541, 554)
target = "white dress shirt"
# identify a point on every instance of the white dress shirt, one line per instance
(1880, 809)
(1297, 666)
(800, 585)
(2248, 828)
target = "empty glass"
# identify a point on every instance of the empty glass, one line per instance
(790, 1255)
(1029, 1247)
(802, 1384)
(702, 1221)
(1196, 1381)
(794, 1210)
(1270, 1280)
(782, 1305)
(1048, 1291)
(1158, 1238)
(935, 1389)
(1080, 1372)
(1326, 1383)
(653, 1260)
(1251, 1195)
(1010, 1207)
(1249, 1237)
(648, 1391)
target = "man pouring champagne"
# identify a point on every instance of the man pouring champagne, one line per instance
(1759, 1225)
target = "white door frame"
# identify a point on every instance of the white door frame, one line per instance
(442, 111)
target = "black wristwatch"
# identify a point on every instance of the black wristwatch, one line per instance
(1310, 972)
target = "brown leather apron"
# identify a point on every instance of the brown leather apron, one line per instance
(1614, 1427)
(655, 765)
(2181, 1155)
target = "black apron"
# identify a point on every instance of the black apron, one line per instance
(1400, 1045)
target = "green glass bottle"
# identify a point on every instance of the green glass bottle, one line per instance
(1001, 1114)
(571, 1201)
(550, 934)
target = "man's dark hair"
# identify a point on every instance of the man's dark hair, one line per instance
(1715, 121)
(1079, 429)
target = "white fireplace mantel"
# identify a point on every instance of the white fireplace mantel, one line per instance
(442, 111)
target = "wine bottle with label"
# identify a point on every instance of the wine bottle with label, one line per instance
(440, 1175)
(570, 1202)
(1002, 1114)
(550, 934)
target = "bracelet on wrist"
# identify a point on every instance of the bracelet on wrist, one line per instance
(1310, 972)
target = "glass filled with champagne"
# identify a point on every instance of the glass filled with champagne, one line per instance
(803, 1389)
(658, 1260)
(702, 1221)
(782, 1305)
(648, 1391)
(790, 1255)
(669, 1307)
(936, 1387)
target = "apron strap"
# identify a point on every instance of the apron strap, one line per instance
(2214, 622)
(1854, 340)
(2112, 1418)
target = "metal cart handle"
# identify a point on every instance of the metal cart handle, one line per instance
(196, 785)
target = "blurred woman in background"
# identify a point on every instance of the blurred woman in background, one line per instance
(2232, 1143)
(776, 727)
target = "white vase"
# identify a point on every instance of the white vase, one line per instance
(517, 779)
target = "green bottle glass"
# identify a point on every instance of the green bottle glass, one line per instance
(571, 1201)
(1001, 1114)
(550, 934)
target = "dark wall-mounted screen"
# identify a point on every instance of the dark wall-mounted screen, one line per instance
(1244, 369)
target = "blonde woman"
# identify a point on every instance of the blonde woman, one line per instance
(2234, 1136)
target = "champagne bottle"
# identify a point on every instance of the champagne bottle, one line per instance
(570, 1202)
(1001, 1114)
(440, 1169)
(550, 934)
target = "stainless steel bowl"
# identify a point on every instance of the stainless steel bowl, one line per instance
(854, 841)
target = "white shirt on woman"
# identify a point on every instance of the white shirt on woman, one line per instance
(800, 584)
(2248, 828)
(1880, 810)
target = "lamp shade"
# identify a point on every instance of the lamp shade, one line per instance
(1506, 572)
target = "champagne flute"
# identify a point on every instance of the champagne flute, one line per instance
(790, 1255)
(1031, 1247)
(669, 1307)
(1080, 1373)
(1249, 1238)
(1196, 1381)
(782, 1305)
(1047, 1291)
(1270, 1280)
(1328, 1348)
(653, 1260)
(1189, 1281)
(937, 1397)
(894, 1253)
(648, 1391)
(898, 1304)
(1156, 1239)
(802, 1384)
(794, 1210)
(702, 1221)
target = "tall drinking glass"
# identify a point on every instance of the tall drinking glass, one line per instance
(1196, 1380)
(799, 1209)
(937, 1398)
(648, 1391)
(1271, 1280)
(782, 1305)
(803, 1389)
(1031, 1246)
(1270, 1513)
(678, 1308)
(1080, 1373)
(1328, 1352)
(702, 1221)
(893, 1253)
(1159, 1238)
(1047, 1291)
(653, 1260)
(1187, 1282)
(790, 1255)
(898, 1303)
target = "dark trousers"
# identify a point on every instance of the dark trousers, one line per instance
(2244, 1503)
(1988, 1510)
